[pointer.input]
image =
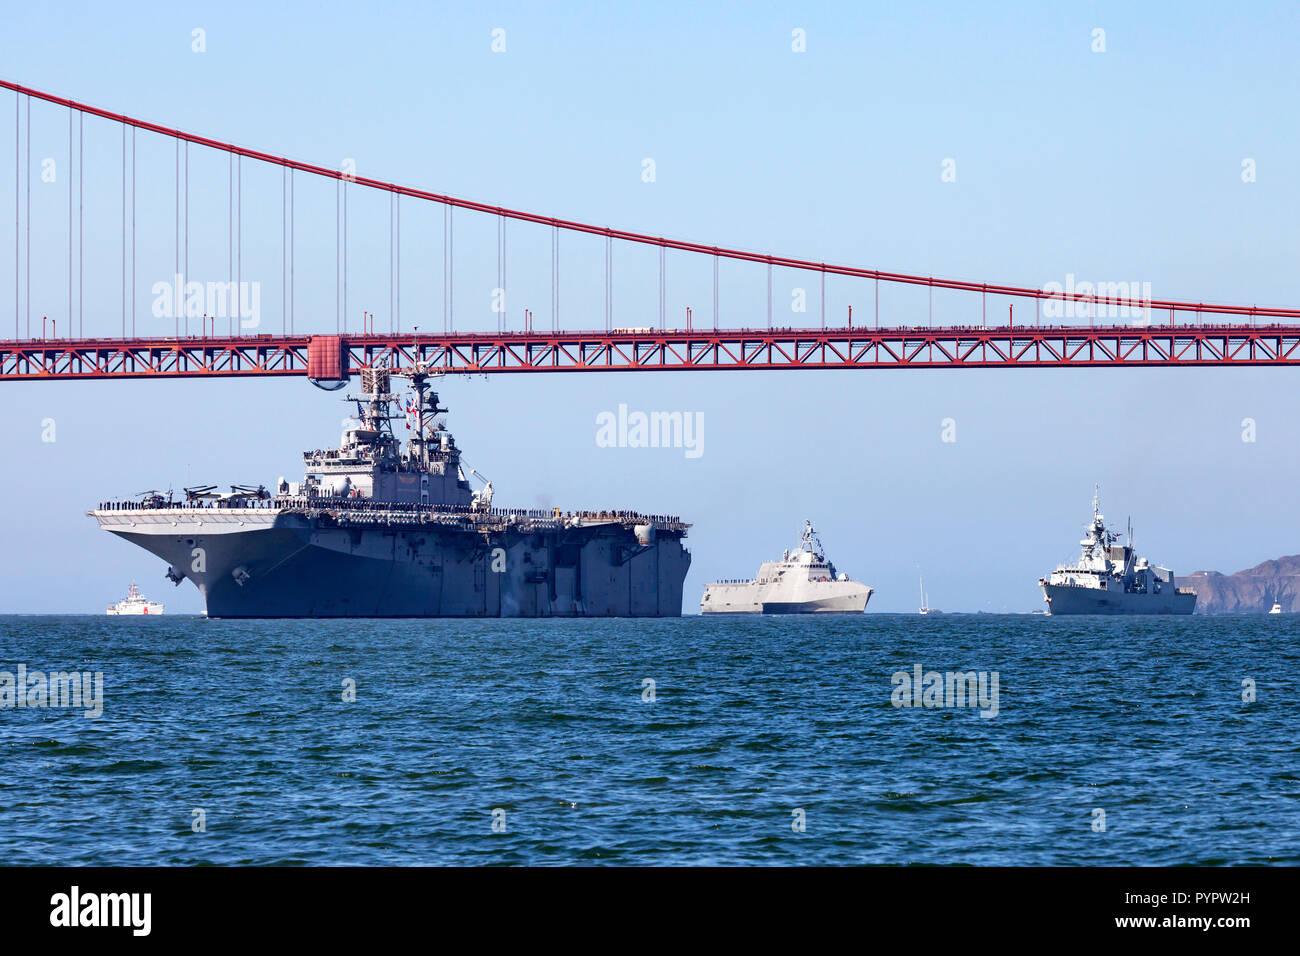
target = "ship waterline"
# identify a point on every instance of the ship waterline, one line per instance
(1071, 599)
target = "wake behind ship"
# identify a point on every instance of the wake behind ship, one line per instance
(1110, 578)
(378, 530)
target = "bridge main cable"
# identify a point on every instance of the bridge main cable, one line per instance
(661, 241)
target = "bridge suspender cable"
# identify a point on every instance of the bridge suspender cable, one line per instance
(70, 144)
(292, 282)
(230, 233)
(391, 252)
(81, 225)
(123, 233)
(345, 255)
(337, 258)
(284, 250)
(17, 180)
(133, 231)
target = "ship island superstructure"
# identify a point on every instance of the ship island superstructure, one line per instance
(802, 582)
(378, 528)
(1110, 578)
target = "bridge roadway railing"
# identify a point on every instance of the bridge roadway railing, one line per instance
(913, 346)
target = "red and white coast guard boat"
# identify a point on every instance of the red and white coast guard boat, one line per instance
(135, 603)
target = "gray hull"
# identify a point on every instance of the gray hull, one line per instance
(816, 607)
(1064, 599)
(288, 565)
(849, 603)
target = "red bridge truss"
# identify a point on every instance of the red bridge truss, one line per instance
(1167, 332)
(331, 358)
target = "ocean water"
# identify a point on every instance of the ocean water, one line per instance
(756, 725)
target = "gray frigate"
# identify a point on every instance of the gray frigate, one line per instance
(1110, 578)
(378, 529)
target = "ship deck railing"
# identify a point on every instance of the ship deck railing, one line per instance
(368, 506)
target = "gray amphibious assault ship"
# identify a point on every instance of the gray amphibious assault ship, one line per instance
(378, 530)
(1110, 578)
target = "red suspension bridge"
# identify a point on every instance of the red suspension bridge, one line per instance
(1157, 332)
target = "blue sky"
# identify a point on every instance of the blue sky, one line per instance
(1122, 165)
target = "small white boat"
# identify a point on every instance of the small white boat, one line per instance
(135, 603)
(1276, 608)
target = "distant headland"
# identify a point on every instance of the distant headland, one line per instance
(1252, 591)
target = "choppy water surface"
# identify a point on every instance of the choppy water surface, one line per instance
(751, 720)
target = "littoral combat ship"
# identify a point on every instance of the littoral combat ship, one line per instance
(376, 529)
(1111, 579)
(800, 583)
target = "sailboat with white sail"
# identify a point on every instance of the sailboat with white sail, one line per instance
(925, 603)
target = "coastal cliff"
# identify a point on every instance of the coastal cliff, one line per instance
(1252, 591)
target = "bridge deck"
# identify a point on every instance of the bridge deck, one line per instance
(661, 350)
